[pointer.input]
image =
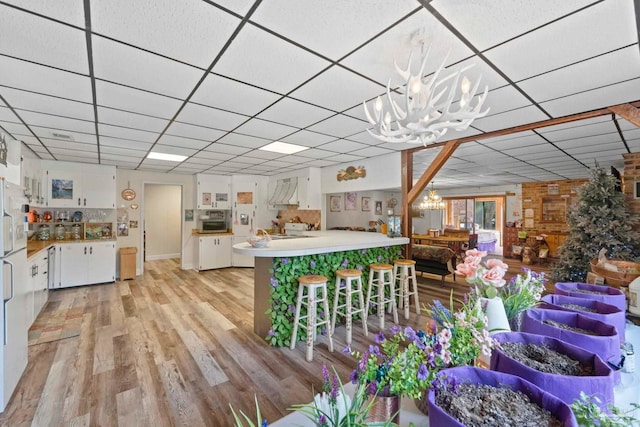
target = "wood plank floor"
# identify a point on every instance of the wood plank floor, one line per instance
(175, 347)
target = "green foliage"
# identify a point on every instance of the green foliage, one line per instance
(239, 421)
(284, 284)
(522, 292)
(588, 414)
(599, 220)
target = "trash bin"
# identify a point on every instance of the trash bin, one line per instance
(128, 263)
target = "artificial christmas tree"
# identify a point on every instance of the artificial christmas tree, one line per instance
(599, 220)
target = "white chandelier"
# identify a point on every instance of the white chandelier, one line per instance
(432, 202)
(421, 116)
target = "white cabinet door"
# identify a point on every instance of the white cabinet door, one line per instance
(99, 190)
(241, 260)
(223, 252)
(32, 279)
(212, 192)
(73, 268)
(40, 284)
(214, 252)
(309, 192)
(101, 262)
(63, 188)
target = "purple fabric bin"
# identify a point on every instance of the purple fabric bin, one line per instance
(566, 387)
(609, 295)
(606, 313)
(606, 344)
(470, 375)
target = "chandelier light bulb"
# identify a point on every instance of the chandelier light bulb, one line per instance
(378, 104)
(415, 86)
(465, 86)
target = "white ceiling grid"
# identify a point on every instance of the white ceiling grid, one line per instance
(218, 79)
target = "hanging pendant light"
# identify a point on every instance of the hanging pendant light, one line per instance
(433, 201)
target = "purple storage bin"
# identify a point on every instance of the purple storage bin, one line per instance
(605, 313)
(607, 294)
(606, 344)
(566, 387)
(470, 375)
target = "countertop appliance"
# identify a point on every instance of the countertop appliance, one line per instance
(295, 228)
(16, 294)
(216, 223)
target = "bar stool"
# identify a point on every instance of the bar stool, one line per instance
(311, 283)
(350, 276)
(381, 276)
(404, 270)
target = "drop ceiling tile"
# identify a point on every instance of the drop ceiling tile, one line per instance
(6, 115)
(249, 160)
(594, 99)
(340, 126)
(371, 152)
(332, 28)
(186, 170)
(244, 141)
(308, 139)
(263, 129)
(38, 78)
(520, 151)
(72, 145)
(125, 143)
(265, 155)
(47, 104)
(510, 118)
(579, 129)
(226, 149)
(172, 149)
(209, 156)
(500, 100)
(343, 146)
(70, 11)
(59, 45)
(539, 51)
(131, 120)
(55, 122)
(282, 65)
(600, 141)
(291, 112)
(138, 101)
(516, 17)
(238, 6)
(376, 58)
(114, 61)
(178, 141)
(210, 117)
(322, 163)
(276, 164)
(191, 31)
(604, 70)
(124, 133)
(15, 129)
(316, 153)
(124, 152)
(192, 131)
(221, 92)
(342, 158)
(337, 89)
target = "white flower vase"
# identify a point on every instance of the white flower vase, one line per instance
(493, 308)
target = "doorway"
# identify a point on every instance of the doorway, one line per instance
(483, 216)
(162, 232)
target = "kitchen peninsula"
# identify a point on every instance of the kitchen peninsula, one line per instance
(278, 266)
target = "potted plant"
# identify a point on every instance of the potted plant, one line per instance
(522, 292)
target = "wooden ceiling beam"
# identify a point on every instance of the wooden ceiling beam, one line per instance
(431, 171)
(627, 112)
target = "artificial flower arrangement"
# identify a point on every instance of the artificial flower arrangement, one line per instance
(522, 292)
(488, 278)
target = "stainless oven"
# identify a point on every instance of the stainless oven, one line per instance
(214, 222)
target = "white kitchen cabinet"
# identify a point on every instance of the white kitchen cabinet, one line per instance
(212, 191)
(214, 252)
(241, 260)
(87, 263)
(309, 192)
(38, 274)
(79, 186)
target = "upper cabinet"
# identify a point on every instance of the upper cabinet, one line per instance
(212, 191)
(302, 189)
(76, 185)
(309, 194)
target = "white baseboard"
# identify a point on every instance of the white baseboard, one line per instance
(162, 256)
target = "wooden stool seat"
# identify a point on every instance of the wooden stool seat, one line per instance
(311, 284)
(352, 285)
(381, 278)
(349, 272)
(404, 262)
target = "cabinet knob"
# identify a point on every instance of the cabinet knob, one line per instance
(79, 201)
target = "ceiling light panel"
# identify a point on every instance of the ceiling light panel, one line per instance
(114, 61)
(190, 30)
(138, 101)
(340, 126)
(540, 51)
(131, 120)
(171, 149)
(164, 156)
(295, 113)
(210, 117)
(282, 65)
(38, 78)
(59, 45)
(23, 100)
(263, 129)
(283, 148)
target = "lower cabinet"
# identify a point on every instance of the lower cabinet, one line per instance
(86, 263)
(213, 252)
(38, 275)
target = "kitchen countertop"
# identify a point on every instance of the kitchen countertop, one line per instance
(320, 242)
(35, 246)
(195, 232)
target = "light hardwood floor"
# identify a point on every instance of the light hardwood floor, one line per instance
(175, 347)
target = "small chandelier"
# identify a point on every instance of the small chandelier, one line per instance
(432, 202)
(421, 116)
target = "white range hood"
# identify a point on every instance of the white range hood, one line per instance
(284, 192)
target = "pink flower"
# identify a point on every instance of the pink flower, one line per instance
(497, 263)
(475, 253)
(493, 276)
(468, 270)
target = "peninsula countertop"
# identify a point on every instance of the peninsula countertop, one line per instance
(316, 242)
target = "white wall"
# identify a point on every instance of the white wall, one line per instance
(136, 181)
(162, 220)
(383, 173)
(358, 217)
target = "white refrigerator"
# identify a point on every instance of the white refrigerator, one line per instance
(16, 292)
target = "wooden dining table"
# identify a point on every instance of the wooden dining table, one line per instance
(456, 243)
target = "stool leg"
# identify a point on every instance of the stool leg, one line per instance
(327, 316)
(334, 313)
(392, 292)
(363, 308)
(348, 308)
(415, 288)
(405, 291)
(370, 289)
(381, 299)
(311, 321)
(296, 320)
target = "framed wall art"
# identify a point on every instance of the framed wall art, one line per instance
(335, 203)
(365, 204)
(350, 201)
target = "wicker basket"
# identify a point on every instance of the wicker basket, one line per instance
(629, 270)
(259, 240)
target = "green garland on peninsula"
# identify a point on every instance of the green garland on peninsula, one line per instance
(284, 284)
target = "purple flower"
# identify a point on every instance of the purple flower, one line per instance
(379, 337)
(422, 372)
(291, 309)
(409, 333)
(379, 257)
(373, 349)
(354, 376)
(372, 388)
(273, 281)
(386, 248)
(334, 389)
(312, 264)
(364, 251)
(325, 373)
(271, 333)
(322, 419)
(264, 423)
(347, 349)
(360, 267)
(345, 262)
(395, 329)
